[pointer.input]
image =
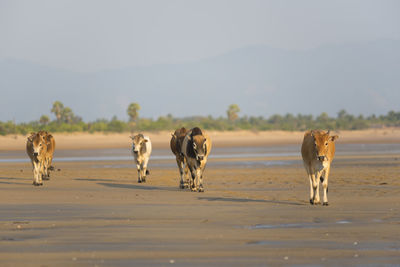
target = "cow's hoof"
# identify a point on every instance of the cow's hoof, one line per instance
(37, 184)
(317, 202)
(311, 201)
(143, 179)
(139, 181)
(182, 186)
(325, 204)
(46, 178)
(193, 189)
(200, 190)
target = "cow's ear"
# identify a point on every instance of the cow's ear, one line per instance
(30, 138)
(312, 133)
(333, 138)
(145, 140)
(131, 137)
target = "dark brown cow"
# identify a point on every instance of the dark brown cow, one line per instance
(176, 147)
(318, 150)
(196, 147)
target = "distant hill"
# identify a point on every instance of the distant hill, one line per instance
(361, 78)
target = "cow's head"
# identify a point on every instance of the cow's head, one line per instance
(321, 143)
(39, 144)
(199, 146)
(138, 141)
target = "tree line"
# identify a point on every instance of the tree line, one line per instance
(66, 121)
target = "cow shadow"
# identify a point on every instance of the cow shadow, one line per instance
(246, 200)
(10, 180)
(93, 180)
(138, 187)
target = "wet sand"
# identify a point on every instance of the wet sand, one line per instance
(91, 214)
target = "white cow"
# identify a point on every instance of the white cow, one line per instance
(141, 149)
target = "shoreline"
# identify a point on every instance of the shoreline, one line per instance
(70, 141)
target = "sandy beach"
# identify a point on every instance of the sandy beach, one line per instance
(220, 139)
(95, 213)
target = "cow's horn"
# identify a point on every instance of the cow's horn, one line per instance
(328, 132)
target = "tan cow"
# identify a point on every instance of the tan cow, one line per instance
(196, 147)
(141, 150)
(318, 150)
(36, 148)
(176, 148)
(51, 146)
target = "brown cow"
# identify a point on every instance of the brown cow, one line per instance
(318, 150)
(36, 148)
(196, 147)
(176, 148)
(51, 146)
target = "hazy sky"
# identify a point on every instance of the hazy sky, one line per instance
(86, 36)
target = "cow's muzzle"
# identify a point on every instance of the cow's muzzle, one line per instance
(321, 158)
(200, 157)
(136, 152)
(35, 154)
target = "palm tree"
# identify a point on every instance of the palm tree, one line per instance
(57, 109)
(44, 119)
(232, 112)
(133, 111)
(67, 115)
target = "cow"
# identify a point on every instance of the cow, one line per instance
(176, 148)
(196, 147)
(141, 150)
(318, 150)
(51, 145)
(36, 148)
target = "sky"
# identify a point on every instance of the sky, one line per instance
(88, 36)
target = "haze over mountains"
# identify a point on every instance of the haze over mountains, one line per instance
(363, 78)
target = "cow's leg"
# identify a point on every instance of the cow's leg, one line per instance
(139, 173)
(41, 172)
(318, 175)
(45, 170)
(325, 186)
(144, 170)
(201, 187)
(181, 167)
(186, 174)
(311, 179)
(36, 174)
(193, 180)
(48, 168)
(199, 175)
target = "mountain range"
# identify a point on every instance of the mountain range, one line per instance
(362, 78)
